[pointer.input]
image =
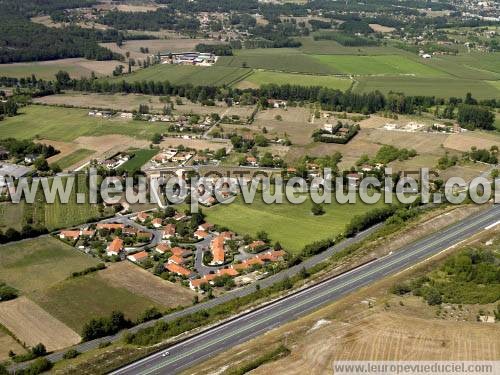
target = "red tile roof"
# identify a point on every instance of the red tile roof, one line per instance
(175, 268)
(116, 245)
(176, 259)
(227, 271)
(218, 249)
(110, 226)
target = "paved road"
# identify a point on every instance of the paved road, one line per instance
(207, 344)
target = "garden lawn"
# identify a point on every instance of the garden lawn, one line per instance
(294, 226)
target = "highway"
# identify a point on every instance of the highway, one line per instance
(223, 337)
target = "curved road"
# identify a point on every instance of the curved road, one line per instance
(220, 338)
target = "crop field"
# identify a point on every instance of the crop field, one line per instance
(73, 158)
(76, 68)
(293, 225)
(331, 47)
(195, 75)
(384, 64)
(259, 78)
(67, 124)
(140, 158)
(141, 282)
(7, 343)
(11, 216)
(64, 301)
(32, 325)
(36, 264)
(288, 60)
(438, 86)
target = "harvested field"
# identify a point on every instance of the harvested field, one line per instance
(381, 29)
(142, 282)
(130, 102)
(7, 343)
(76, 67)
(198, 144)
(32, 325)
(464, 141)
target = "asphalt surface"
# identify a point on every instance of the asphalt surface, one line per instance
(223, 337)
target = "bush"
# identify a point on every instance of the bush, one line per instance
(105, 326)
(433, 297)
(72, 353)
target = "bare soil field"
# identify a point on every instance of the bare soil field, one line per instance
(464, 141)
(381, 29)
(76, 67)
(107, 145)
(32, 325)
(104, 146)
(130, 102)
(197, 144)
(7, 343)
(142, 282)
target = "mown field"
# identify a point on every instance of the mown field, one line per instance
(36, 264)
(265, 77)
(183, 74)
(287, 60)
(73, 158)
(441, 87)
(384, 64)
(293, 225)
(67, 124)
(140, 157)
(64, 301)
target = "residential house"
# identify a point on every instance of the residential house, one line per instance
(176, 259)
(169, 231)
(217, 248)
(110, 226)
(256, 245)
(115, 247)
(162, 248)
(179, 270)
(138, 257)
(200, 234)
(206, 227)
(157, 222)
(142, 217)
(69, 234)
(227, 272)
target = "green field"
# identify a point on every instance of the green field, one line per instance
(384, 64)
(440, 87)
(331, 47)
(67, 124)
(183, 74)
(11, 216)
(76, 301)
(73, 158)
(45, 71)
(36, 264)
(292, 225)
(265, 77)
(287, 60)
(140, 158)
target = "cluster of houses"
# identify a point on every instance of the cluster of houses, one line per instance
(115, 161)
(172, 156)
